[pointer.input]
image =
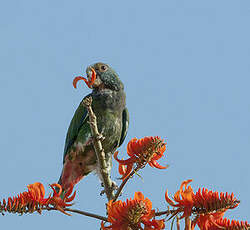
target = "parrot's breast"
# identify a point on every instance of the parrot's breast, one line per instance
(108, 107)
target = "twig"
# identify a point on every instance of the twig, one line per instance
(119, 190)
(178, 223)
(81, 213)
(167, 212)
(187, 223)
(100, 154)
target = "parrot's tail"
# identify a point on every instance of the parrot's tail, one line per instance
(71, 175)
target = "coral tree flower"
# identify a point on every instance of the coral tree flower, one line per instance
(58, 202)
(34, 200)
(132, 214)
(183, 198)
(228, 224)
(89, 83)
(142, 151)
(208, 206)
(205, 221)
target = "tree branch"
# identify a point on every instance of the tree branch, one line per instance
(100, 154)
(80, 212)
(119, 190)
(167, 212)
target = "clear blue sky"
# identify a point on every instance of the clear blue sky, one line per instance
(186, 70)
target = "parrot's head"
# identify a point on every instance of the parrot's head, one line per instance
(106, 77)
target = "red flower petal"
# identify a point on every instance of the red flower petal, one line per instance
(78, 78)
(124, 162)
(155, 164)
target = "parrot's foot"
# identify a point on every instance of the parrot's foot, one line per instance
(102, 192)
(114, 186)
(100, 137)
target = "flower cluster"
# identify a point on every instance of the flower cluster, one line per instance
(207, 206)
(34, 200)
(132, 214)
(57, 201)
(208, 201)
(228, 224)
(89, 83)
(142, 151)
(183, 198)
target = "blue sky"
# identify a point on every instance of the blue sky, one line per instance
(185, 66)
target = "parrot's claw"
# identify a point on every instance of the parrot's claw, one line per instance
(102, 192)
(114, 187)
(100, 137)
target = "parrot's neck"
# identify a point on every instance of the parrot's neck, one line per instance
(109, 99)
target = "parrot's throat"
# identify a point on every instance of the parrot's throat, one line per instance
(99, 87)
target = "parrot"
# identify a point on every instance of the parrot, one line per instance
(109, 106)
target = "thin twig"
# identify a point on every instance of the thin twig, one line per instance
(187, 223)
(81, 213)
(119, 190)
(178, 223)
(167, 212)
(100, 154)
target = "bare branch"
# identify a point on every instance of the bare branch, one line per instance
(79, 212)
(119, 190)
(100, 154)
(167, 212)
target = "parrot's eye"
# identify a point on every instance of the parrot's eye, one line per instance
(103, 68)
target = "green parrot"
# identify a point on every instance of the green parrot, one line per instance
(109, 106)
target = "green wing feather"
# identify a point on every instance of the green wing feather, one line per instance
(125, 123)
(78, 120)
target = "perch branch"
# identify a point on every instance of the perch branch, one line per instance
(100, 154)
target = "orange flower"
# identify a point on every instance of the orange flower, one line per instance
(208, 201)
(132, 214)
(206, 204)
(58, 202)
(34, 200)
(89, 83)
(210, 207)
(25, 202)
(205, 221)
(142, 151)
(228, 224)
(184, 199)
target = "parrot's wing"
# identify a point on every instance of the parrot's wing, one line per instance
(79, 118)
(125, 123)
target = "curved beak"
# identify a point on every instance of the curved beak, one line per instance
(97, 82)
(89, 72)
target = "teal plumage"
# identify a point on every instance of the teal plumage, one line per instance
(109, 106)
